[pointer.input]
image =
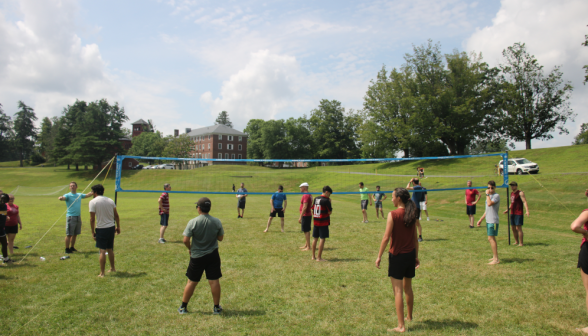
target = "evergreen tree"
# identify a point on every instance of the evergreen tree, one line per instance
(223, 119)
(6, 137)
(25, 132)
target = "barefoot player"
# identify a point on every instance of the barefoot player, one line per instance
(322, 219)
(103, 216)
(305, 218)
(517, 200)
(378, 197)
(471, 201)
(580, 225)
(492, 205)
(416, 198)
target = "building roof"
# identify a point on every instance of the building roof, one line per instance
(140, 122)
(216, 129)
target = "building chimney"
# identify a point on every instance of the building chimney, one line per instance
(188, 130)
(176, 133)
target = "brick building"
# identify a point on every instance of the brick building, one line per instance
(217, 142)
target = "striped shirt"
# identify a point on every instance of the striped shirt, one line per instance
(164, 207)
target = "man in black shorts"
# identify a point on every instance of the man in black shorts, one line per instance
(322, 219)
(241, 196)
(278, 202)
(103, 216)
(305, 218)
(207, 231)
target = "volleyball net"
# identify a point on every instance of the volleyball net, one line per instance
(262, 177)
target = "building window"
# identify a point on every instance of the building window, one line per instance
(230, 137)
(230, 146)
(233, 156)
(209, 137)
(240, 147)
(220, 146)
(130, 164)
(227, 156)
(208, 146)
(220, 155)
(220, 136)
(240, 138)
(239, 156)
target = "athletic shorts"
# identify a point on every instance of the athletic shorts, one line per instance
(305, 223)
(73, 225)
(364, 204)
(164, 219)
(2, 231)
(378, 205)
(105, 238)
(11, 229)
(492, 229)
(279, 212)
(471, 209)
(321, 232)
(423, 206)
(210, 263)
(402, 265)
(516, 220)
(241, 204)
(583, 258)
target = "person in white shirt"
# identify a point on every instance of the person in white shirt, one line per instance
(103, 216)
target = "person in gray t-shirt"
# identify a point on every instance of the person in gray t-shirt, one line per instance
(241, 197)
(492, 204)
(204, 232)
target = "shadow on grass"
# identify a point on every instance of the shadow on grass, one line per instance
(233, 313)
(443, 324)
(123, 274)
(16, 264)
(435, 239)
(344, 260)
(536, 244)
(515, 260)
(329, 248)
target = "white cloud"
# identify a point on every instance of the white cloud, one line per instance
(553, 32)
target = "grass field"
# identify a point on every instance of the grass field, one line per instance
(271, 288)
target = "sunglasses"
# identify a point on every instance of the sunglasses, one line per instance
(491, 187)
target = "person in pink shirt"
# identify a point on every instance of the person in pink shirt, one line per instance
(12, 225)
(305, 218)
(580, 225)
(471, 201)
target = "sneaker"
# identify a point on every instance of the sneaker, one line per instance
(161, 241)
(217, 310)
(238, 216)
(72, 249)
(366, 221)
(8, 260)
(15, 247)
(183, 310)
(420, 239)
(68, 250)
(428, 219)
(165, 241)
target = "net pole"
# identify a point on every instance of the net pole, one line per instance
(508, 211)
(115, 197)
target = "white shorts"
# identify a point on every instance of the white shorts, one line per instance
(423, 206)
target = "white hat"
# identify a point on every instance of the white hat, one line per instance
(303, 185)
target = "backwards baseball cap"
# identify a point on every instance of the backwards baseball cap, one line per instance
(513, 183)
(204, 203)
(303, 185)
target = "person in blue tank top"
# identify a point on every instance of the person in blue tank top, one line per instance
(416, 198)
(278, 202)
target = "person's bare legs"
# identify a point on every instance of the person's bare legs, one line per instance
(189, 290)
(314, 248)
(397, 285)
(515, 234)
(215, 288)
(378, 213)
(102, 259)
(269, 222)
(472, 220)
(67, 241)
(73, 241)
(364, 213)
(585, 282)
(111, 259)
(282, 219)
(307, 237)
(162, 231)
(321, 247)
(10, 237)
(382, 212)
(407, 282)
(494, 247)
(520, 229)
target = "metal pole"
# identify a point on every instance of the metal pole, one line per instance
(115, 196)
(508, 211)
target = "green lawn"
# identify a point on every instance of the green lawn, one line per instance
(270, 287)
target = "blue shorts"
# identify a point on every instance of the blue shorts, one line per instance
(163, 221)
(516, 220)
(492, 229)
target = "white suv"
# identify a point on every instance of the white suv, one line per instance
(167, 166)
(520, 166)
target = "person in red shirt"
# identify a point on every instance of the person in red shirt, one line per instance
(163, 212)
(471, 201)
(517, 200)
(305, 218)
(404, 252)
(322, 210)
(12, 224)
(580, 225)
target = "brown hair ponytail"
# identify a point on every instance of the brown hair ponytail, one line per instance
(410, 209)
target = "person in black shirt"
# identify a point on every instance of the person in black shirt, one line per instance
(3, 217)
(321, 211)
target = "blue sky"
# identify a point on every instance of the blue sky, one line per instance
(182, 62)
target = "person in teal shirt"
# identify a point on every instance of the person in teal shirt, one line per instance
(365, 198)
(73, 219)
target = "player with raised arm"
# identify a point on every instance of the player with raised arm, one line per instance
(416, 198)
(73, 218)
(580, 225)
(322, 210)
(278, 203)
(305, 218)
(163, 202)
(517, 200)
(378, 197)
(403, 253)
(241, 197)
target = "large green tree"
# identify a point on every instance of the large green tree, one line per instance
(148, 144)
(223, 119)
(533, 104)
(582, 137)
(6, 136)
(333, 132)
(45, 140)
(25, 132)
(178, 147)
(254, 141)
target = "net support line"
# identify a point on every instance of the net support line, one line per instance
(38, 241)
